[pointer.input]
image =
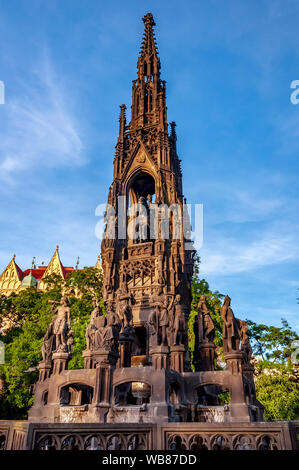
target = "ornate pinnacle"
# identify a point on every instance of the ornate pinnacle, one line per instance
(148, 43)
(148, 20)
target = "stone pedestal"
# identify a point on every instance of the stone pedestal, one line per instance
(160, 357)
(88, 363)
(103, 356)
(234, 361)
(44, 370)
(205, 357)
(60, 361)
(103, 384)
(177, 358)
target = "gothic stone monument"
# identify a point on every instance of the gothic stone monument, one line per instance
(137, 367)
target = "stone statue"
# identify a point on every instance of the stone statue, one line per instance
(113, 327)
(125, 301)
(245, 343)
(159, 319)
(62, 324)
(206, 328)
(179, 323)
(48, 345)
(231, 328)
(94, 328)
(142, 227)
(59, 337)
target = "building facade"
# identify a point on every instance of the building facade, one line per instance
(13, 279)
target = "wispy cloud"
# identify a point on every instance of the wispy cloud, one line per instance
(39, 129)
(232, 256)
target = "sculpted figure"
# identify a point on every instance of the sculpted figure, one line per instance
(142, 226)
(179, 324)
(245, 343)
(206, 329)
(94, 328)
(125, 301)
(60, 326)
(48, 345)
(159, 318)
(113, 327)
(231, 328)
(100, 333)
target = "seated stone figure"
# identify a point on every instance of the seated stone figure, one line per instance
(97, 322)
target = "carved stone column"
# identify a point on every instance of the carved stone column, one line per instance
(177, 358)
(160, 357)
(60, 361)
(205, 357)
(125, 348)
(44, 370)
(87, 356)
(102, 396)
(102, 355)
(234, 361)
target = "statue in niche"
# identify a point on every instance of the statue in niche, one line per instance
(159, 318)
(231, 328)
(206, 328)
(245, 343)
(177, 322)
(59, 335)
(142, 226)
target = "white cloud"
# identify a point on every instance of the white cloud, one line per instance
(230, 256)
(39, 129)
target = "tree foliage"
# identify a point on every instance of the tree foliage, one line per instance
(272, 343)
(32, 315)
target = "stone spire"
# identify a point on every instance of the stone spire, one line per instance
(148, 93)
(149, 52)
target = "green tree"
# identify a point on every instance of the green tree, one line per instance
(270, 342)
(279, 393)
(24, 339)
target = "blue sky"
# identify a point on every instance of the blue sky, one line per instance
(67, 65)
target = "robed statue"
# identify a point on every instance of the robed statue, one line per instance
(205, 325)
(231, 328)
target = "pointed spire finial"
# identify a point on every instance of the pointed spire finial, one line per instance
(57, 247)
(148, 20)
(13, 257)
(148, 44)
